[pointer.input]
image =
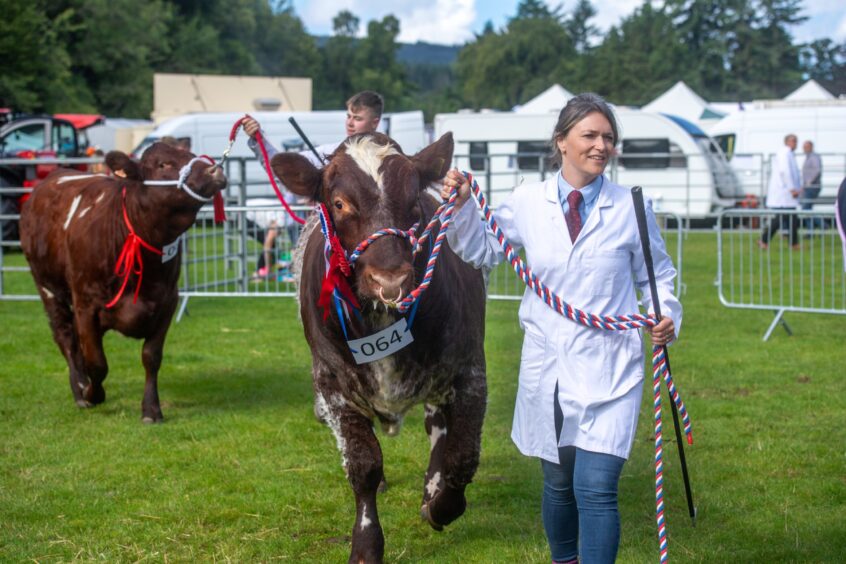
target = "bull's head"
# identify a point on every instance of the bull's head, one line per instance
(165, 162)
(368, 185)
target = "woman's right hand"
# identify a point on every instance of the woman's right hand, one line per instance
(250, 126)
(454, 179)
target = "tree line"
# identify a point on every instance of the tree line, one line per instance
(100, 55)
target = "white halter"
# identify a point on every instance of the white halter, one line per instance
(183, 176)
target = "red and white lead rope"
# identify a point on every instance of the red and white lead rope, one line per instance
(611, 323)
(260, 141)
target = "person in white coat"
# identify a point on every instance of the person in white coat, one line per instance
(783, 194)
(579, 388)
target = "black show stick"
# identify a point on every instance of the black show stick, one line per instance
(640, 214)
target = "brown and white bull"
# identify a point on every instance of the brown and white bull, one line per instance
(368, 185)
(75, 227)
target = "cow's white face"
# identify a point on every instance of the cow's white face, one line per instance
(368, 185)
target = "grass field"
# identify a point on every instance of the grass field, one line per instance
(240, 471)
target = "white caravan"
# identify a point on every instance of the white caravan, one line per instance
(675, 162)
(750, 137)
(208, 134)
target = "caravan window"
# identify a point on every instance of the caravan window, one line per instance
(726, 143)
(645, 153)
(478, 155)
(531, 154)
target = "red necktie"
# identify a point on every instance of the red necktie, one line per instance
(574, 220)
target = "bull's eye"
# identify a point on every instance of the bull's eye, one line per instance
(339, 204)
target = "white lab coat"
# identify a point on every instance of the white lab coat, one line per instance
(784, 177)
(599, 373)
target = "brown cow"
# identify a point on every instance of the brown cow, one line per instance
(370, 185)
(73, 230)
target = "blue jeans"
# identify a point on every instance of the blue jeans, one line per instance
(579, 505)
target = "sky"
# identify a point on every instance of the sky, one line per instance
(455, 21)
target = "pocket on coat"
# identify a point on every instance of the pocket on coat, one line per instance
(532, 361)
(607, 272)
(590, 366)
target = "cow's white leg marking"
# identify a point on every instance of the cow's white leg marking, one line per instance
(435, 436)
(72, 210)
(365, 520)
(332, 421)
(432, 487)
(47, 293)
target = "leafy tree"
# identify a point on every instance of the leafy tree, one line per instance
(334, 85)
(780, 70)
(284, 46)
(536, 9)
(825, 61)
(762, 60)
(702, 27)
(578, 28)
(500, 70)
(36, 65)
(375, 64)
(115, 62)
(345, 24)
(630, 66)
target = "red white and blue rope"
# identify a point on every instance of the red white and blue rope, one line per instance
(443, 215)
(608, 322)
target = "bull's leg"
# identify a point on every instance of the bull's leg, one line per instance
(462, 444)
(60, 314)
(362, 460)
(151, 357)
(95, 366)
(436, 428)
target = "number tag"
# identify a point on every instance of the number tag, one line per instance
(169, 251)
(379, 345)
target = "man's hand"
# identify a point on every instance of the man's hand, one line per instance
(251, 127)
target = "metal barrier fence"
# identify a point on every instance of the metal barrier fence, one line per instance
(800, 275)
(222, 261)
(689, 185)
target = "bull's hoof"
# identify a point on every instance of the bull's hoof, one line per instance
(83, 403)
(424, 514)
(151, 415)
(447, 506)
(94, 395)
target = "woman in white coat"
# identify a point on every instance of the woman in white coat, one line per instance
(579, 388)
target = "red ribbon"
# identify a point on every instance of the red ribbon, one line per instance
(337, 274)
(219, 213)
(130, 259)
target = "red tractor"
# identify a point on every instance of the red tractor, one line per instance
(33, 137)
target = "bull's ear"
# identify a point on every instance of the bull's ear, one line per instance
(432, 163)
(119, 163)
(297, 174)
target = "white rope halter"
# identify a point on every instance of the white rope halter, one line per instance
(183, 176)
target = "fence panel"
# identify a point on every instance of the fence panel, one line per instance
(782, 277)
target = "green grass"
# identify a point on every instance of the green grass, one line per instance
(241, 471)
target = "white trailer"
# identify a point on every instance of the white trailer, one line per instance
(750, 137)
(208, 134)
(675, 162)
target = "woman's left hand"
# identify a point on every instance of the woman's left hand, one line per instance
(663, 333)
